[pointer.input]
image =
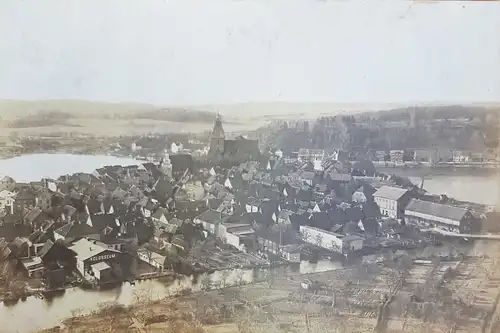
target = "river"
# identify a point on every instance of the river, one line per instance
(473, 185)
(35, 314)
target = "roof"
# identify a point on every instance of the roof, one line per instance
(240, 229)
(76, 230)
(45, 248)
(100, 266)
(436, 209)
(86, 249)
(29, 263)
(180, 162)
(285, 237)
(103, 220)
(153, 256)
(211, 216)
(390, 192)
(350, 238)
(11, 231)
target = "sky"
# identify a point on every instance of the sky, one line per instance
(237, 51)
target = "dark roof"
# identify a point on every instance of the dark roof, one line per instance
(119, 207)
(354, 214)
(250, 218)
(103, 220)
(76, 230)
(371, 210)
(181, 162)
(26, 194)
(241, 148)
(370, 224)
(365, 167)
(10, 231)
(320, 220)
(304, 195)
(269, 207)
(107, 203)
(337, 216)
(32, 214)
(94, 206)
(46, 248)
(214, 203)
(265, 193)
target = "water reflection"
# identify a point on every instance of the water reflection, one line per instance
(35, 313)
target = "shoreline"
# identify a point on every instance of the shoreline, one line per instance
(383, 167)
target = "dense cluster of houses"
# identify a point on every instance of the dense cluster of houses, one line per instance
(93, 224)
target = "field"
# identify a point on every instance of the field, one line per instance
(24, 118)
(111, 119)
(436, 296)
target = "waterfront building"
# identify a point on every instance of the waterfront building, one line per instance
(392, 201)
(426, 214)
(397, 156)
(429, 156)
(93, 260)
(331, 240)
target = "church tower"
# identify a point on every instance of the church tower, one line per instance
(217, 138)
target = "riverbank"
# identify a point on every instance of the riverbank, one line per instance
(347, 300)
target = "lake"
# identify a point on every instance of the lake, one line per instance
(473, 185)
(469, 185)
(28, 168)
(35, 314)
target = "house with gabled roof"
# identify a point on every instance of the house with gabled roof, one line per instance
(392, 201)
(426, 214)
(74, 231)
(89, 254)
(210, 220)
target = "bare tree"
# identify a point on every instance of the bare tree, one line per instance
(143, 299)
(240, 277)
(224, 278)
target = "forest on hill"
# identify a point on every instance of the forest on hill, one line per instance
(446, 127)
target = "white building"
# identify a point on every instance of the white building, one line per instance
(152, 258)
(7, 202)
(174, 149)
(330, 240)
(167, 164)
(425, 214)
(89, 253)
(392, 201)
(278, 153)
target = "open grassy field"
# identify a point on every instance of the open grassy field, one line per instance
(109, 119)
(101, 118)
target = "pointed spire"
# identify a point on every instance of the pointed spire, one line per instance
(218, 131)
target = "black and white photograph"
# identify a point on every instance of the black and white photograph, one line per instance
(249, 166)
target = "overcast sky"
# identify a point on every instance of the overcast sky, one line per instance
(231, 51)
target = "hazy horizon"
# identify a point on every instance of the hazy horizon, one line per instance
(225, 52)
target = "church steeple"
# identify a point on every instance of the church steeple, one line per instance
(218, 131)
(217, 138)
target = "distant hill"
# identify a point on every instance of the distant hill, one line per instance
(448, 127)
(102, 118)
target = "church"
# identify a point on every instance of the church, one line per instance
(236, 150)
